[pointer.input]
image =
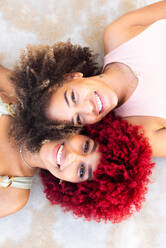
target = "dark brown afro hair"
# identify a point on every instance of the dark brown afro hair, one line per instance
(40, 72)
(120, 182)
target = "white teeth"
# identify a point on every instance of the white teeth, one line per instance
(59, 153)
(99, 103)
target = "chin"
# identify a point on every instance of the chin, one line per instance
(96, 120)
(105, 113)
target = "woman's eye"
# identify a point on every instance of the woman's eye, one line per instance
(73, 96)
(86, 146)
(79, 120)
(82, 171)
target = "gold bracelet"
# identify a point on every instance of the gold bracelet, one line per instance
(11, 181)
(1, 178)
(9, 109)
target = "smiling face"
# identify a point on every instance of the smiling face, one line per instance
(73, 160)
(82, 101)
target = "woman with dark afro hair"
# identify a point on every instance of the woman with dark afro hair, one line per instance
(62, 86)
(39, 73)
(118, 184)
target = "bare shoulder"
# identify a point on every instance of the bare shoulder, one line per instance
(154, 128)
(131, 24)
(12, 200)
(149, 123)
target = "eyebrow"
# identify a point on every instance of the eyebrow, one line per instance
(89, 174)
(66, 99)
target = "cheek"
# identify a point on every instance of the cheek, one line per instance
(92, 119)
(69, 175)
(95, 161)
(67, 172)
(59, 111)
(85, 91)
(95, 118)
(54, 172)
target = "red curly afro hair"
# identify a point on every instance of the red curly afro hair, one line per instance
(120, 182)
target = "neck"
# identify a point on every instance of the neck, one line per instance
(120, 78)
(31, 160)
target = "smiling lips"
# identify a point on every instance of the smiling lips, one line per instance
(99, 102)
(58, 154)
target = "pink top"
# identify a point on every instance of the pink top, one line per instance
(145, 54)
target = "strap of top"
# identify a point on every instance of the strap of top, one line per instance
(17, 182)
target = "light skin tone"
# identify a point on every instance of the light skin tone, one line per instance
(87, 100)
(115, 85)
(78, 160)
(74, 159)
(120, 31)
(11, 199)
(78, 165)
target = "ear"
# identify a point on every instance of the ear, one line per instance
(73, 75)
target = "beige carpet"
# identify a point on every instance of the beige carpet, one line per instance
(40, 225)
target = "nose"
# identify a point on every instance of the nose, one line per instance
(71, 157)
(72, 153)
(87, 107)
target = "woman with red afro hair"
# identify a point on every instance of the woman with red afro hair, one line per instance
(120, 181)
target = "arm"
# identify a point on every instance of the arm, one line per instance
(132, 23)
(12, 200)
(155, 130)
(146, 15)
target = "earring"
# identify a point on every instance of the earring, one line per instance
(60, 181)
(45, 84)
(45, 141)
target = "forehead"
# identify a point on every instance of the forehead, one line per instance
(57, 107)
(72, 83)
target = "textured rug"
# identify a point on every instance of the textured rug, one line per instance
(40, 225)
